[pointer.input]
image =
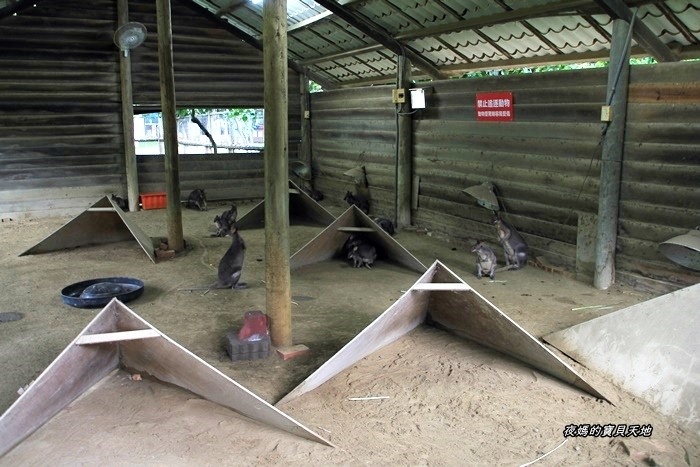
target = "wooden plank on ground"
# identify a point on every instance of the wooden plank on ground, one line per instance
(442, 286)
(74, 371)
(89, 339)
(648, 349)
(330, 241)
(168, 361)
(441, 298)
(468, 314)
(301, 208)
(101, 223)
(79, 367)
(403, 316)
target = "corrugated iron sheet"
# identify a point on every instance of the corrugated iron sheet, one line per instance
(457, 36)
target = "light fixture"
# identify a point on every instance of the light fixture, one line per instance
(359, 175)
(683, 249)
(485, 195)
(417, 98)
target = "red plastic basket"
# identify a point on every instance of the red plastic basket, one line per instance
(153, 200)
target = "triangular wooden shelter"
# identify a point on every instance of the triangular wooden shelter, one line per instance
(103, 222)
(651, 349)
(302, 208)
(119, 337)
(441, 298)
(329, 243)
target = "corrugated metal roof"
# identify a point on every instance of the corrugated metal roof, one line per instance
(457, 36)
(450, 37)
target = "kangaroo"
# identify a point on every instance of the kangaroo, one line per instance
(224, 222)
(385, 224)
(358, 200)
(230, 265)
(363, 255)
(121, 202)
(486, 261)
(197, 200)
(514, 246)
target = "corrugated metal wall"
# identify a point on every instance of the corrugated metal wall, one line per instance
(213, 69)
(350, 128)
(660, 195)
(60, 124)
(545, 163)
(220, 176)
(61, 144)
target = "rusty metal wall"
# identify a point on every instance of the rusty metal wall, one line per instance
(61, 142)
(545, 163)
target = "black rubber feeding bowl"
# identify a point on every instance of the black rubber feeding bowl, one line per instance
(99, 292)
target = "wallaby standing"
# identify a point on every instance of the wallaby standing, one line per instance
(231, 264)
(514, 246)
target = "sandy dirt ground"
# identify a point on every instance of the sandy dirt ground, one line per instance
(444, 401)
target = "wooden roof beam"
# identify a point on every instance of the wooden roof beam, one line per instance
(381, 37)
(641, 33)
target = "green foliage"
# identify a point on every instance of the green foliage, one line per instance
(553, 67)
(235, 114)
(241, 114)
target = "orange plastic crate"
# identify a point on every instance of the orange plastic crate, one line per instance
(153, 200)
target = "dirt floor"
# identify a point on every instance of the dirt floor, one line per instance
(445, 401)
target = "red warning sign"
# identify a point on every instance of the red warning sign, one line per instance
(494, 106)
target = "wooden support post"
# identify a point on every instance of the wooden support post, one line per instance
(167, 102)
(611, 158)
(277, 276)
(404, 129)
(305, 147)
(132, 178)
